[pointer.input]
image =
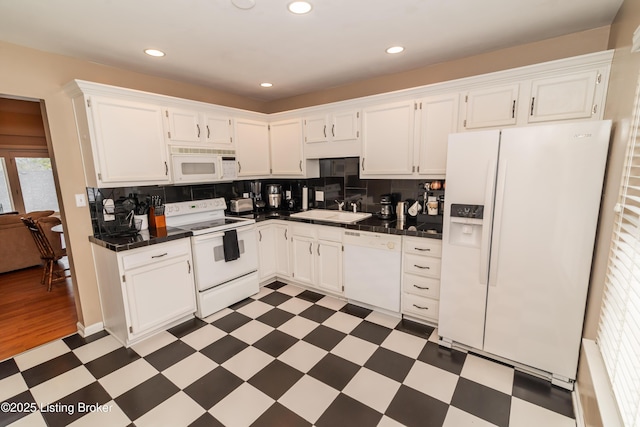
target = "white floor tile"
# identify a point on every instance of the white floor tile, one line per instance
(372, 389)
(11, 386)
(97, 348)
(264, 291)
(41, 354)
(189, 369)
(302, 356)
(432, 381)
(382, 319)
(113, 417)
(457, 418)
(390, 422)
(434, 337)
(255, 309)
(62, 385)
(34, 419)
(248, 362)
(354, 349)
(252, 331)
(309, 398)
(291, 290)
(295, 305)
(178, 410)
(525, 414)
(218, 315)
(342, 322)
(204, 336)
(332, 303)
(127, 377)
(404, 343)
(298, 327)
(153, 343)
(488, 373)
(242, 407)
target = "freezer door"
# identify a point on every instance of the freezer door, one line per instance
(546, 210)
(471, 169)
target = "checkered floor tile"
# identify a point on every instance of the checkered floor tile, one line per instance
(285, 357)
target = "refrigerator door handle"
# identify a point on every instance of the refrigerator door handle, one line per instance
(497, 221)
(486, 228)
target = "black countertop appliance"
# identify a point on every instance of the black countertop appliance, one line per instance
(386, 207)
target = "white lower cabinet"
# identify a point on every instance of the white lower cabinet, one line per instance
(421, 277)
(273, 250)
(145, 290)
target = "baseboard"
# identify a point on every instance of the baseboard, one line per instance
(605, 399)
(85, 331)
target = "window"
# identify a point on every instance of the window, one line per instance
(5, 194)
(619, 328)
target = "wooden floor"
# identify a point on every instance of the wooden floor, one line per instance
(31, 316)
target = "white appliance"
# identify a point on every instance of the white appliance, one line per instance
(202, 165)
(519, 227)
(372, 268)
(221, 279)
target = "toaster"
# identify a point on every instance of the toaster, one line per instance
(241, 205)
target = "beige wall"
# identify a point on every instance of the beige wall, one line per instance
(619, 108)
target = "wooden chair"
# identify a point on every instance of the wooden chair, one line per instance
(49, 253)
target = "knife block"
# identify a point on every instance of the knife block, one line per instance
(156, 221)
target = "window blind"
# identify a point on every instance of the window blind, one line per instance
(618, 334)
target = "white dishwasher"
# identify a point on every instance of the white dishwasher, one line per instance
(372, 269)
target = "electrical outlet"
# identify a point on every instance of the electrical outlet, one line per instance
(287, 194)
(319, 196)
(81, 200)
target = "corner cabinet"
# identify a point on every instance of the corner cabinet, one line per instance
(287, 157)
(252, 148)
(122, 141)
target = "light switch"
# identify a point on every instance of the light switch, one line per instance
(81, 200)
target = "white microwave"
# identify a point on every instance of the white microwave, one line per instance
(191, 165)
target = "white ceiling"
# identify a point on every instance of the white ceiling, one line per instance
(214, 44)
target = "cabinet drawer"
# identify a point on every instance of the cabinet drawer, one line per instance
(422, 286)
(419, 306)
(305, 230)
(422, 246)
(155, 253)
(332, 234)
(422, 265)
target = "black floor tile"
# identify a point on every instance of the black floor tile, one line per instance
(24, 401)
(334, 371)
(213, 387)
(231, 322)
(542, 393)
(275, 317)
(275, 285)
(371, 332)
(224, 349)
(76, 405)
(275, 379)
(51, 368)
(415, 328)
(275, 343)
(111, 362)
(390, 364)
(241, 304)
(317, 313)
(74, 341)
(310, 296)
(355, 310)
(345, 411)
(169, 355)
(8, 368)
(324, 337)
(206, 420)
(278, 415)
(444, 358)
(412, 408)
(146, 396)
(275, 298)
(185, 328)
(482, 401)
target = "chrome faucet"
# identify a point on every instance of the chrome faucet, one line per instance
(354, 206)
(340, 205)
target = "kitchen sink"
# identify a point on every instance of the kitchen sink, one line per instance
(341, 217)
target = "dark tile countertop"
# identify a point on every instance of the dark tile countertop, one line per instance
(372, 224)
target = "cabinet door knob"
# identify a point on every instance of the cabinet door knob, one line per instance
(310, 251)
(189, 265)
(166, 169)
(421, 267)
(300, 165)
(239, 167)
(513, 110)
(260, 234)
(285, 234)
(421, 308)
(324, 130)
(333, 128)
(421, 287)
(318, 250)
(532, 102)
(208, 132)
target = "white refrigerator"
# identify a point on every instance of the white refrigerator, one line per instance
(520, 219)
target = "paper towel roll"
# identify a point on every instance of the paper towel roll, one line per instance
(305, 198)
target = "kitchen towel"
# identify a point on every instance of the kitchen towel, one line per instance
(230, 245)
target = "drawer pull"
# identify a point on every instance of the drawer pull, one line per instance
(423, 249)
(189, 264)
(421, 287)
(421, 267)
(421, 308)
(160, 256)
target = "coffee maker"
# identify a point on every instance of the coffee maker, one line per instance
(274, 196)
(386, 207)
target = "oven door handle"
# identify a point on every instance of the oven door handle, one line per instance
(208, 236)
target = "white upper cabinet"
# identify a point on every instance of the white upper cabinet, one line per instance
(491, 107)
(387, 139)
(191, 126)
(332, 134)
(564, 97)
(287, 148)
(252, 147)
(438, 118)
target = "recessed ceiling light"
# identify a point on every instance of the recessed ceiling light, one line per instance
(395, 49)
(154, 52)
(265, 84)
(299, 7)
(244, 4)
